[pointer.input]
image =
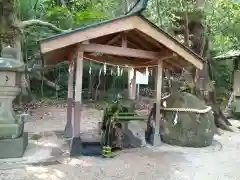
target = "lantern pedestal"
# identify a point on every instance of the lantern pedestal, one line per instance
(13, 141)
(13, 148)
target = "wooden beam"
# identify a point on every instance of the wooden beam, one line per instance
(174, 64)
(107, 60)
(166, 65)
(144, 27)
(113, 40)
(81, 35)
(124, 40)
(179, 62)
(120, 60)
(119, 51)
(142, 42)
(146, 38)
(133, 45)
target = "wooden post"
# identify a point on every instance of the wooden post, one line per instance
(68, 132)
(138, 89)
(129, 83)
(76, 145)
(156, 141)
(124, 45)
(134, 86)
(155, 81)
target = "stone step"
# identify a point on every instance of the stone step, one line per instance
(13, 148)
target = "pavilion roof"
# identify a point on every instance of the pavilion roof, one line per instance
(145, 43)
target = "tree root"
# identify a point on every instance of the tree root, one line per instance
(221, 123)
(36, 22)
(218, 132)
(45, 80)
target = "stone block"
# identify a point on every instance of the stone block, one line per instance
(155, 140)
(134, 134)
(236, 109)
(13, 148)
(188, 129)
(10, 130)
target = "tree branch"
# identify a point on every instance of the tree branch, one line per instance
(186, 32)
(36, 22)
(45, 81)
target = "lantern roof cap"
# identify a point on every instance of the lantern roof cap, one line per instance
(10, 64)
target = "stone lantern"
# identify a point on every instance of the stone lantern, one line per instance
(13, 141)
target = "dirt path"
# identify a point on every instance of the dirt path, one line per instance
(218, 162)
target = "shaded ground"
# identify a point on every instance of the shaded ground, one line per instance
(47, 156)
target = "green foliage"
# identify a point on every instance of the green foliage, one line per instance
(66, 17)
(59, 16)
(222, 74)
(224, 22)
(8, 28)
(89, 16)
(222, 17)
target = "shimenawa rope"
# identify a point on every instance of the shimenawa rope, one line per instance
(198, 111)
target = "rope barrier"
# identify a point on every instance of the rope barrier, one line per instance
(125, 66)
(198, 111)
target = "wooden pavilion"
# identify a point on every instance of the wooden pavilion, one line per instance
(130, 40)
(233, 106)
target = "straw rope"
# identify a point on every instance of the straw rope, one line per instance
(198, 111)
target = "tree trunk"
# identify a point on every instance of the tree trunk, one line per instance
(201, 79)
(10, 33)
(99, 82)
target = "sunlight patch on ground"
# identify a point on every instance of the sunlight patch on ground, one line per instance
(76, 162)
(45, 173)
(32, 154)
(46, 144)
(37, 151)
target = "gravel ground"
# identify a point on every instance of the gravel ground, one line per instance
(217, 162)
